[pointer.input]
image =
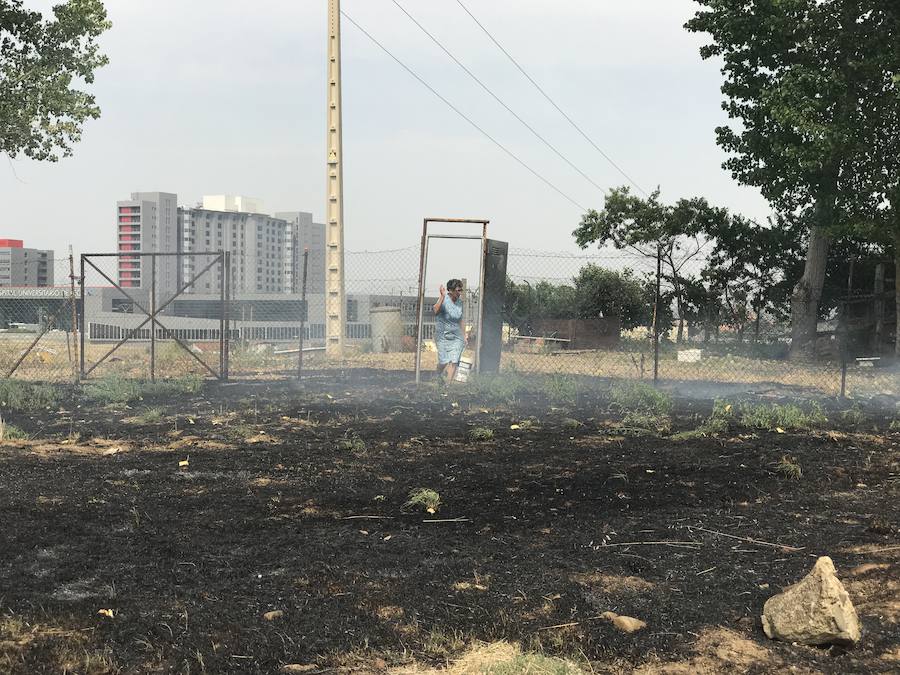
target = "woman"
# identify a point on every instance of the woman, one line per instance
(449, 329)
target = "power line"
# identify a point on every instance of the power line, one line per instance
(459, 112)
(552, 102)
(498, 99)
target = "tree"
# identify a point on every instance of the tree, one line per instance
(652, 228)
(596, 292)
(606, 293)
(41, 110)
(792, 82)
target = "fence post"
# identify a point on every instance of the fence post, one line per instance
(222, 295)
(81, 326)
(303, 313)
(74, 312)
(656, 314)
(226, 310)
(153, 321)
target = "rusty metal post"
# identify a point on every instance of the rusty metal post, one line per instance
(74, 311)
(303, 312)
(222, 294)
(227, 312)
(153, 321)
(81, 324)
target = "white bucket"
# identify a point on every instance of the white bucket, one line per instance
(463, 370)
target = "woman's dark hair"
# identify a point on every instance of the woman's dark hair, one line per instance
(453, 284)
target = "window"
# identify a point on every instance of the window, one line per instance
(352, 310)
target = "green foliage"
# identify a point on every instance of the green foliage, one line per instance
(790, 468)
(150, 416)
(41, 113)
(503, 388)
(653, 229)
(9, 432)
(561, 390)
(594, 292)
(717, 423)
(533, 664)
(640, 397)
(351, 442)
(25, 397)
(789, 417)
(853, 416)
(118, 390)
(571, 424)
(425, 498)
(481, 434)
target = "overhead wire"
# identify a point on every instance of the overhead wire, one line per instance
(460, 112)
(551, 101)
(498, 99)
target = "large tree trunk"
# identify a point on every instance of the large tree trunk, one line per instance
(808, 291)
(897, 286)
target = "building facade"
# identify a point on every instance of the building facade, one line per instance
(148, 223)
(22, 267)
(257, 243)
(303, 234)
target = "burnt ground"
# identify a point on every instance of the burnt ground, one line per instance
(280, 507)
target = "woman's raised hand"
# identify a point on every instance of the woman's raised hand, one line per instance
(443, 291)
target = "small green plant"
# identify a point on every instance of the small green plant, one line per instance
(10, 432)
(717, 423)
(788, 417)
(561, 390)
(150, 416)
(26, 397)
(571, 424)
(481, 434)
(640, 397)
(638, 421)
(504, 388)
(790, 468)
(351, 442)
(425, 498)
(854, 416)
(895, 425)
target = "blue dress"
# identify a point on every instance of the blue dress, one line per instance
(447, 334)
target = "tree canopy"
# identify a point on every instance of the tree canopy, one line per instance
(42, 65)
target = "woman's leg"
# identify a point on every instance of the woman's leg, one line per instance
(451, 371)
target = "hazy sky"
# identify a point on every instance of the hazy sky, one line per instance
(226, 96)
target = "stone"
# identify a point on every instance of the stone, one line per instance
(626, 624)
(273, 615)
(815, 611)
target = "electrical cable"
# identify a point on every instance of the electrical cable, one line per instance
(498, 99)
(459, 112)
(551, 101)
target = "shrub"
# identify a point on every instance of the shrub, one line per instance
(26, 397)
(481, 434)
(424, 497)
(561, 390)
(789, 468)
(717, 423)
(115, 389)
(351, 442)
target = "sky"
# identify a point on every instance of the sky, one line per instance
(228, 97)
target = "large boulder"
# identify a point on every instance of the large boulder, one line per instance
(814, 611)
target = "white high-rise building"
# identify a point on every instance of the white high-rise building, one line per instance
(148, 223)
(236, 203)
(257, 243)
(304, 234)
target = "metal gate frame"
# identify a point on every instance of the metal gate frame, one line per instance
(423, 264)
(223, 258)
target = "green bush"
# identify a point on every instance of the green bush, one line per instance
(115, 389)
(481, 434)
(789, 417)
(640, 397)
(26, 397)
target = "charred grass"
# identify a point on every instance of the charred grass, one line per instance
(297, 500)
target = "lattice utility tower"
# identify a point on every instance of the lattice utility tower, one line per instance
(335, 304)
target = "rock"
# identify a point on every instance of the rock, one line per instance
(814, 611)
(273, 615)
(626, 624)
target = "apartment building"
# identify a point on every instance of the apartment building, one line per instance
(303, 234)
(257, 242)
(148, 223)
(22, 267)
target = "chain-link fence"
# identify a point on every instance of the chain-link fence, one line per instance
(651, 315)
